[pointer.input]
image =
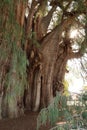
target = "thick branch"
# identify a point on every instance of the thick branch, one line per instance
(46, 20)
(57, 31)
(56, 2)
(74, 13)
(42, 6)
(20, 12)
(30, 17)
(75, 55)
(37, 19)
(20, 7)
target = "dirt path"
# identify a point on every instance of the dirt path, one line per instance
(26, 122)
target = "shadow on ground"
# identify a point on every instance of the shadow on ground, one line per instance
(26, 122)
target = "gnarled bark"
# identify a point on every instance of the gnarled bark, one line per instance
(47, 63)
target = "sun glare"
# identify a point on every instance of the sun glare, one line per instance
(73, 33)
(76, 86)
(75, 81)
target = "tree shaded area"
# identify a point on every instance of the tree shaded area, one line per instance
(27, 122)
(34, 49)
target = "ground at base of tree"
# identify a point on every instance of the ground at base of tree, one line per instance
(26, 122)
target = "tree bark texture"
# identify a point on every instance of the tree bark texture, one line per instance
(47, 53)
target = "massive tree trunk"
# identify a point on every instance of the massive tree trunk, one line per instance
(13, 59)
(47, 53)
(47, 70)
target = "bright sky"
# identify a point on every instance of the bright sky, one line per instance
(73, 33)
(75, 85)
(74, 78)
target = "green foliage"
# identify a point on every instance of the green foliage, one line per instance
(56, 111)
(66, 85)
(16, 77)
(13, 59)
(84, 115)
(65, 113)
(81, 6)
(84, 97)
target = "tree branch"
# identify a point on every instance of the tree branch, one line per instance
(75, 55)
(20, 12)
(46, 20)
(56, 33)
(56, 2)
(61, 27)
(74, 13)
(30, 17)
